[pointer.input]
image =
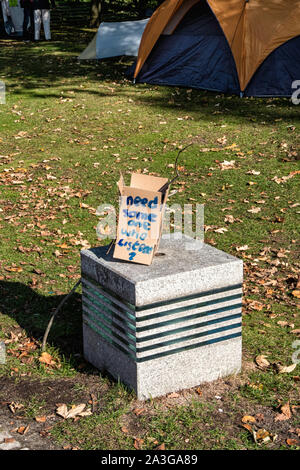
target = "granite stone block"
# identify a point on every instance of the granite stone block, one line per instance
(167, 326)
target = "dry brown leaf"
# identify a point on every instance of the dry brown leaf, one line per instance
(282, 323)
(285, 369)
(256, 305)
(293, 442)
(161, 447)
(296, 293)
(74, 411)
(85, 413)
(248, 419)
(285, 413)
(8, 440)
(262, 361)
(15, 406)
(47, 359)
(137, 443)
(139, 411)
(14, 269)
(229, 218)
(62, 411)
(40, 419)
(227, 165)
(23, 429)
(248, 427)
(263, 436)
(242, 248)
(254, 210)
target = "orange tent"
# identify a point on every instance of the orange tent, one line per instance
(253, 29)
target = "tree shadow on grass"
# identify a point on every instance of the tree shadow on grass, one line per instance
(46, 70)
(32, 312)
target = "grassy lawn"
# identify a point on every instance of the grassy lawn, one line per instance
(66, 131)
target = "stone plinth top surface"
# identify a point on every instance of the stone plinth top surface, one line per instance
(176, 271)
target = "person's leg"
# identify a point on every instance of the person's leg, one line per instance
(31, 27)
(25, 21)
(46, 24)
(37, 24)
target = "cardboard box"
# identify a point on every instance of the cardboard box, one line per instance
(142, 207)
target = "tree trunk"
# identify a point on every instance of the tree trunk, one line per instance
(95, 11)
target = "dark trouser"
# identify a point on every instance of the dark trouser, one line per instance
(28, 15)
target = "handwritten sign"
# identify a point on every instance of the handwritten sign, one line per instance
(140, 218)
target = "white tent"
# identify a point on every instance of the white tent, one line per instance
(13, 16)
(115, 39)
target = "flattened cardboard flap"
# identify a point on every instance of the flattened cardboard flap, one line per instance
(140, 218)
(152, 183)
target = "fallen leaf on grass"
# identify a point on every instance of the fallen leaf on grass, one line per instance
(285, 369)
(47, 359)
(137, 443)
(255, 305)
(161, 447)
(74, 411)
(295, 431)
(139, 411)
(13, 269)
(260, 436)
(229, 219)
(285, 413)
(254, 210)
(62, 411)
(40, 419)
(282, 323)
(242, 248)
(262, 361)
(283, 179)
(227, 165)
(23, 429)
(15, 406)
(263, 436)
(8, 440)
(293, 442)
(248, 419)
(253, 172)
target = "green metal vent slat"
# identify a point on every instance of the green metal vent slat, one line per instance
(187, 338)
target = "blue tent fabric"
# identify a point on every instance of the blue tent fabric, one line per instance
(197, 55)
(277, 73)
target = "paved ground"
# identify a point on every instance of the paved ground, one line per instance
(33, 438)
